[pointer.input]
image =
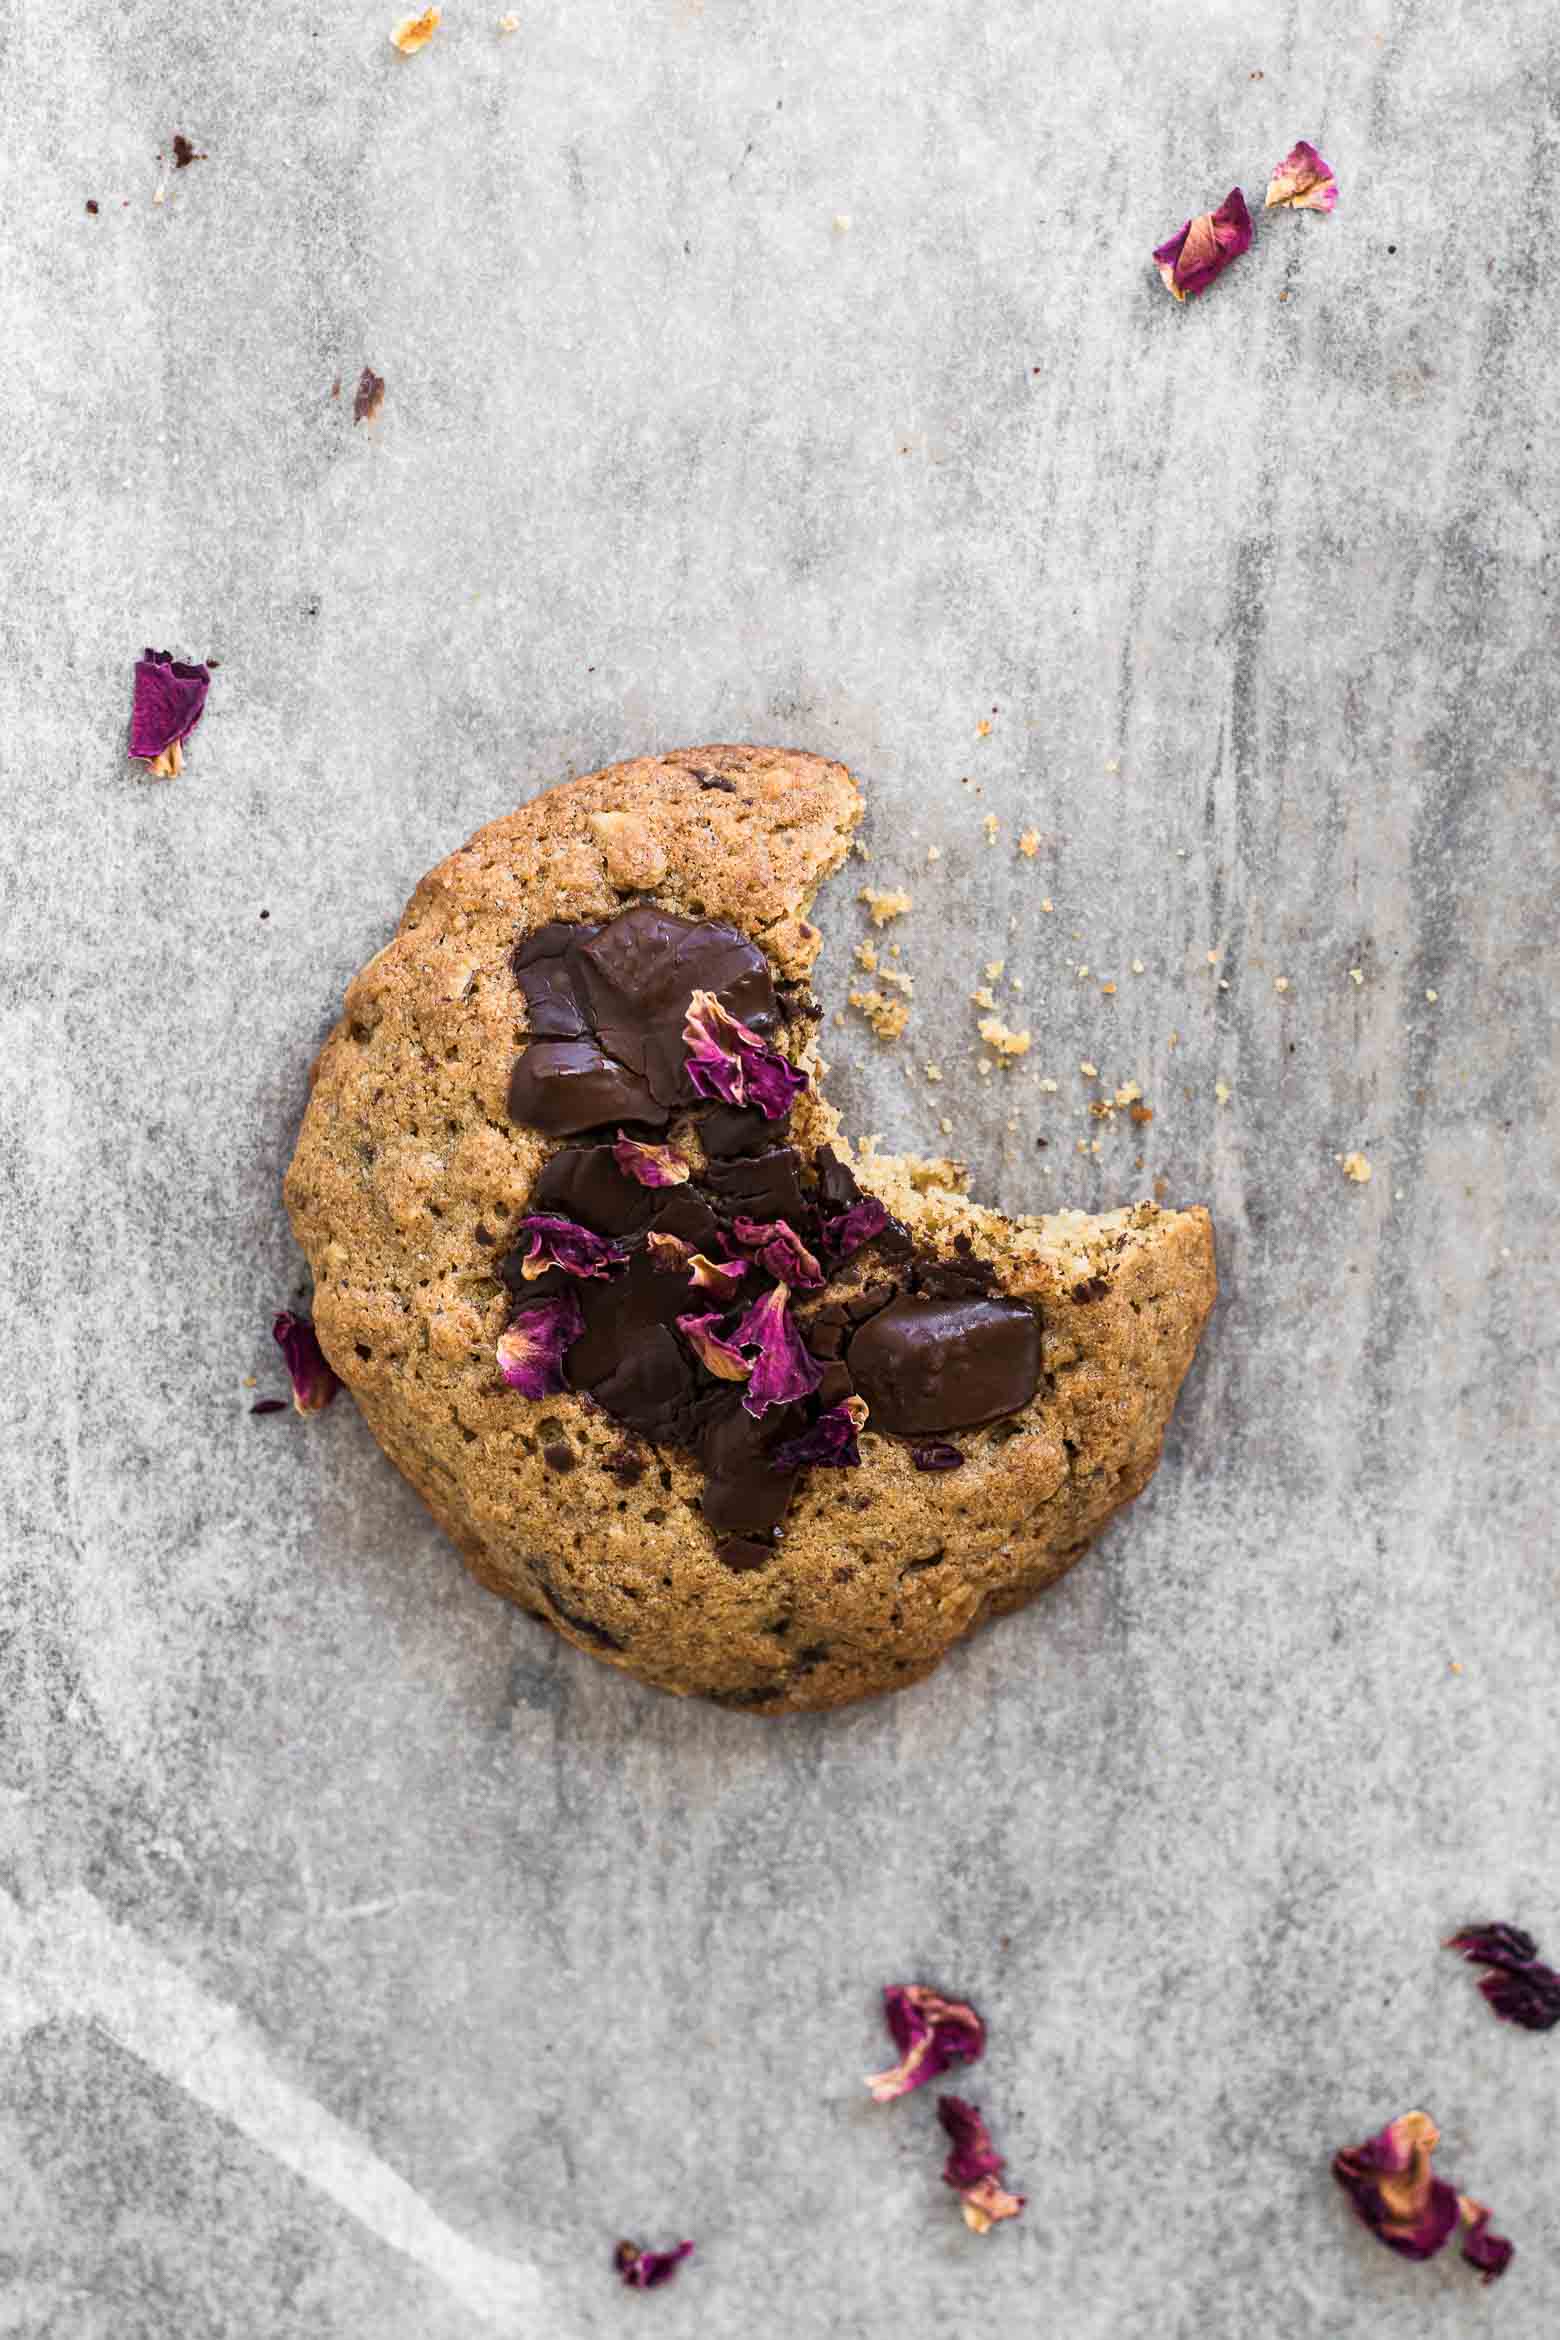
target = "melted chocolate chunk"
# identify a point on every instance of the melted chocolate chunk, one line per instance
(837, 1186)
(739, 1129)
(743, 1491)
(606, 1006)
(835, 1386)
(767, 1187)
(585, 1183)
(564, 1086)
(826, 1329)
(927, 1364)
(629, 1357)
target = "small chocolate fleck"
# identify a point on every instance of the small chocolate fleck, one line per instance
(742, 1554)
(269, 1406)
(1095, 1288)
(558, 1456)
(937, 1455)
(92, 207)
(484, 1238)
(183, 152)
(624, 1465)
(718, 780)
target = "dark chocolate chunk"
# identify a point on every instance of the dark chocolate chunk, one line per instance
(925, 1364)
(637, 975)
(559, 1456)
(629, 1357)
(861, 1305)
(742, 1489)
(585, 1183)
(544, 971)
(741, 1553)
(766, 1187)
(565, 1086)
(269, 1406)
(835, 1386)
(705, 779)
(826, 1329)
(739, 1129)
(837, 1184)
(937, 1456)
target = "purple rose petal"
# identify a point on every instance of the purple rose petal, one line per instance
(169, 700)
(850, 1229)
(1302, 181)
(780, 1251)
(830, 1444)
(313, 1382)
(563, 1243)
(785, 1369)
(716, 1354)
(650, 1165)
(1492, 2254)
(1494, 1945)
(974, 2167)
(731, 1063)
(1394, 2190)
(530, 1352)
(643, 2270)
(1522, 1989)
(721, 1277)
(931, 2033)
(1197, 255)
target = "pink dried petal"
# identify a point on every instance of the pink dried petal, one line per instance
(650, 1165)
(642, 2270)
(563, 1243)
(368, 397)
(1394, 2190)
(1302, 181)
(931, 2033)
(785, 1368)
(830, 1444)
(168, 702)
(1495, 1944)
(530, 1352)
(729, 1062)
(1200, 252)
(716, 1354)
(850, 1229)
(1522, 1989)
(1492, 2254)
(974, 2167)
(313, 1382)
(779, 1249)
(722, 1277)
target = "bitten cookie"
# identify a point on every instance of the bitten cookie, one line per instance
(721, 1404)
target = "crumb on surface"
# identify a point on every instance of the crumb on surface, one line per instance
(885, 904)
(1108, 990)
(509, 23)
(1221, 1090)
(994, 969)
(1047, 904)
(982, 996)
(888, 1017)
(1213, 958)
(1137, 967)
(934, 853)
(1356, 974)
(1029, 843)
(983, 728)
(1090, 1072)
(1142, 1115)
(1432, 997)
(1128, 1093)
(990, 824)
(934, 1072)
(866, 957)
(1357, 1168)
(1281, 983)
(1050, 1087)
(415, 32)
(999, 1036)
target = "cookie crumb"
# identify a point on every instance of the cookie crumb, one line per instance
(1356, 975)
(984, 1066)
(983, 729)
(1281, 983)
(1108, 990)
(888, 1017)
(1221, 1090)
(1047, 905)
(991, 824)
(1142, 1115)
(1355, 1166)
(997, 1035)
(1432, 997)
(946, 1126)
(1137, 967)
(884, 905)
(866, 957)
(415, 32)
(994, 969)
(1029, 844)
(509, 23)
(934, 853)
(368, 397)
(1128, 1093)
(1090, 1072)
(982, 996)
(1050, 1087)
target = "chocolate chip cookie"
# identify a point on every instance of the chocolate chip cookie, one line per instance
(719, 1402)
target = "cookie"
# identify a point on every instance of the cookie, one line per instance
(719, 1402)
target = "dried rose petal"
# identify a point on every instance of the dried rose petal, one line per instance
(779, 1249)
(313, 1382)
(1302, 181)
(931, 2033)
(974, 2167)
(1522, 1989)
(368, 397)
(716, 1354)
(720, 1276)
(168, 702)
(1201, 251)
(564, 1243)
(937, 1455)
(530, 1352)
(1394, 2190)
(852, 1228)
(830, 1444)
(1492, 2254)
(642, 2270)
(727, 1061)
(269, 1406)
(785, 1368)
(1494, 1945)
(651, 1165)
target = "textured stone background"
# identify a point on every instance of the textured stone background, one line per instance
(368, 1960)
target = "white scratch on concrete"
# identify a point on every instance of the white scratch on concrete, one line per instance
(66, 1958)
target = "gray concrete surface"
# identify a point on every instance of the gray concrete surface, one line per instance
(368, 1961)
